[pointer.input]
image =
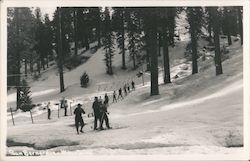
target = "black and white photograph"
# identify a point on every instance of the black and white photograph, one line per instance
(125, 80)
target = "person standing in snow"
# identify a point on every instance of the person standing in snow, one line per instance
(65, 107)
(96, 109)
(114, 97)
(49, 110)
(62, 102)
(120, 94)
(78, 117)
(128, 88)
(133, 85)
(104, 116)
(106, 99)
(125, 89)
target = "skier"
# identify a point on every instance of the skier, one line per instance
(106, 99)
(125, 89)
(96, 109)
(120, 94)
(133, 85)
(114, 97)
(62, 102)
(128, 88)
(65, 107)
(49, 110)
(104, 116)
(78, 117)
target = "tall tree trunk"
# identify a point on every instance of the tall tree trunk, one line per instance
(31, 66)
(60, 54)
(18, 62)
(134, 63)
(194, 49)
(38, 66)
(167, 78)
(98, 28)
(216, 29)
(159, 43)
(110, 62)
(229, 40)
(47, 61)
(25, 67)
(75, 31)
(154, 59)
(148, 51)
(240, 24)
(228, 26)
(43, 63)
(123, 43)
(86, 40)
(210, 33)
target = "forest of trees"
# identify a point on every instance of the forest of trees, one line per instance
(34, 40)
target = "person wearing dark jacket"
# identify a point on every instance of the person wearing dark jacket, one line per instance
(114, 97)
(120, 94)
(125, 89)
(49, 110)
(104, 116)
(133, 85)
(96, 109)
(106, 99)
(78, 117)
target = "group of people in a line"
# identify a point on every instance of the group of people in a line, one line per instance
(126, 90)
(99, 107)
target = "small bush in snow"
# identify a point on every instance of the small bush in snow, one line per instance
(84, 80)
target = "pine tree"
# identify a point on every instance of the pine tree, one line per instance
(20, 43)
(227, 23)
(48, 38)
(119, 26)
(60, 50)
(239, 11)
(134, 37)
(151, 24)
(25, 99)
(194, 17)
(108, 42)
(208, 21)
(216, 30)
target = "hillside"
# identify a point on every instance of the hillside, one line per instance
(185, 118)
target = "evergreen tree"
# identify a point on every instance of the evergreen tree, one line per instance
(134, 37)
(216, 31)
(171, 13)
(20, 43)
(228, 24)
(166, 19)
(60, 49)
(240, 11)
(208, 23)
(119, 26)
(151, 24)
(25, 99)
(194, 17)
(108, 42)
(48, 38)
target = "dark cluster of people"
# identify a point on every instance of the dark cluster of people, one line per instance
(126, 89)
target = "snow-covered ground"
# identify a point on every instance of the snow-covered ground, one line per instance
(195, 114)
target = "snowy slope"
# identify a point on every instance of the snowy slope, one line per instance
(195, 114)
